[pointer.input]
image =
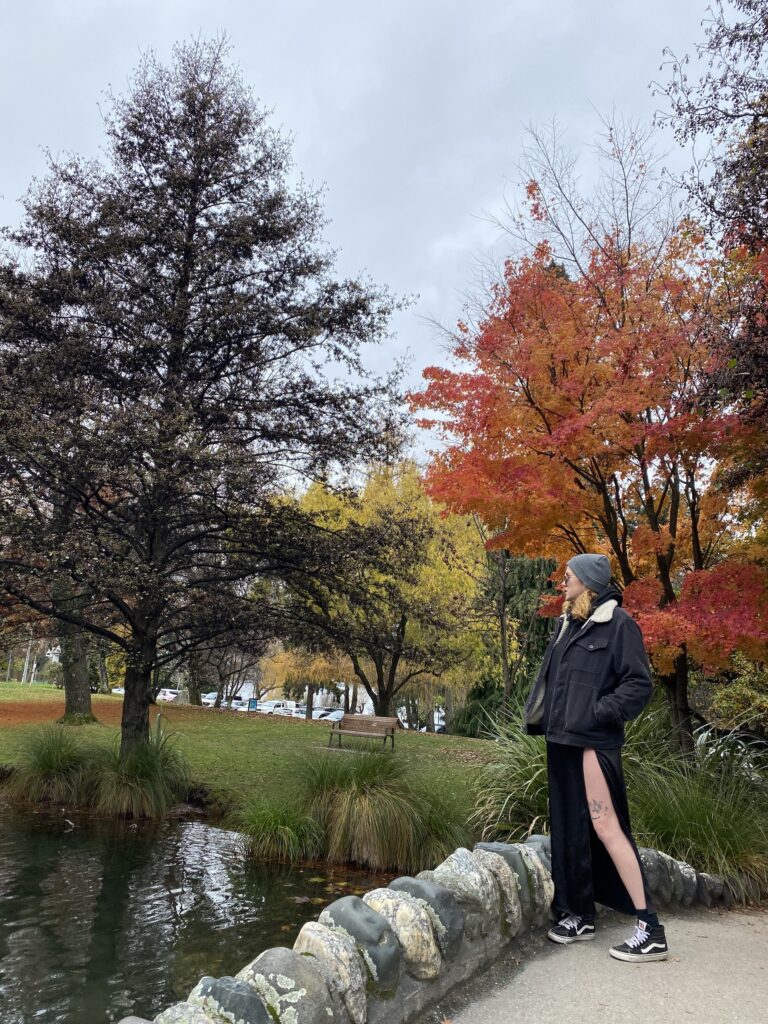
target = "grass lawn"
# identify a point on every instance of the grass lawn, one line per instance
(237, 755)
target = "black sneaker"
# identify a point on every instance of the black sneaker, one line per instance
(648, 943)
(571, 928)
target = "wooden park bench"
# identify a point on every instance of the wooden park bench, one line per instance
(368, 726)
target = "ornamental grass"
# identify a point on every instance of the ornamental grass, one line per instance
(710, 809)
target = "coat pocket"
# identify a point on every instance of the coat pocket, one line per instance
(580, 705)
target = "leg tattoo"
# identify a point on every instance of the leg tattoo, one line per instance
(596, 808)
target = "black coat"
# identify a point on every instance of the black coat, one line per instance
(603, 681)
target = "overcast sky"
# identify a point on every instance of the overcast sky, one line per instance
(411, 113)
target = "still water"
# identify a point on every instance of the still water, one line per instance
(104, 919)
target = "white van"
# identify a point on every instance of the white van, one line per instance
(276, 707)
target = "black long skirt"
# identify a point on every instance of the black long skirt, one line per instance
(582, 869)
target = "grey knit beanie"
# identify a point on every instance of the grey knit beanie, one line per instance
(594, 571)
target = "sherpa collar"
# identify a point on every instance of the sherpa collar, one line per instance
(603, 613)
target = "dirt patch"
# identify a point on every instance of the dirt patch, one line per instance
(16, 712)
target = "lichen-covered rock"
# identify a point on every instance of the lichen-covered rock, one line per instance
(225, 999)
(469, 880)
(688, 876)
(183, 1013)
(542, 845)
(514, 858)
(340, 963)
(709, 888)
(292, 986)
(449, 926)
(412, 925)
(377, 943)
(507, 882)
(536, 887)
(657, 875)
(671, 868)
(134, 1020)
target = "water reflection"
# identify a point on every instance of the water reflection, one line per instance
(109, 919)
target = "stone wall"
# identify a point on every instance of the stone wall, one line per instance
(397, 950)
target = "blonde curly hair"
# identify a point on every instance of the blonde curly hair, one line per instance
(580, 607)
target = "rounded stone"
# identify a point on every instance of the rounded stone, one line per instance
(671, 868)
(514, 858)
(412, 925)
(183, 1013)
(709, 888)
(292, 986)
(507, 882)
(461, 873)
(230, 999)
(375, 939)
(688, 875)
(340, 962)
(657, 875)
(449, 929)
(542, 846)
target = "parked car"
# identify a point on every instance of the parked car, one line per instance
(333, 715)
(236, 704)
(300, 711)
(119, 690)
(209, 699)
(167, 694)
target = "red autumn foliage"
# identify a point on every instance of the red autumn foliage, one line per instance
(577, 419)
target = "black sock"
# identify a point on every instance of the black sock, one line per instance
(649, 917)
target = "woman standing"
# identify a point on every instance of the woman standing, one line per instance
(594, 677)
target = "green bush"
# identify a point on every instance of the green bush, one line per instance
(279, 832)
(54, 768)
(151, 778)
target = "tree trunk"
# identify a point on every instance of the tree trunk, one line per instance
(430, 716)
(506, 677)
(448, 712)
(74, 665)
(101, 664)
(382, 704)
(194, 678)
(139, 672)
(346, 699)
(26, 663)
(676, 691)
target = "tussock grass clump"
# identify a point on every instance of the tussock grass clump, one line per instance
(152, 777)
(710, 810)
(58, 767)
(279, 832)
(512, 788)
(710, 813)
(53, 768)
(372, 814)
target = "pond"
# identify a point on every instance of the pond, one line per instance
(105, 919)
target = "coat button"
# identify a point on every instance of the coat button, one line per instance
(591, 647)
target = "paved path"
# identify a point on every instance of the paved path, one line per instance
(717, 973)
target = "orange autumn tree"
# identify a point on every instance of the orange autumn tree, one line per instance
(577, 418)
